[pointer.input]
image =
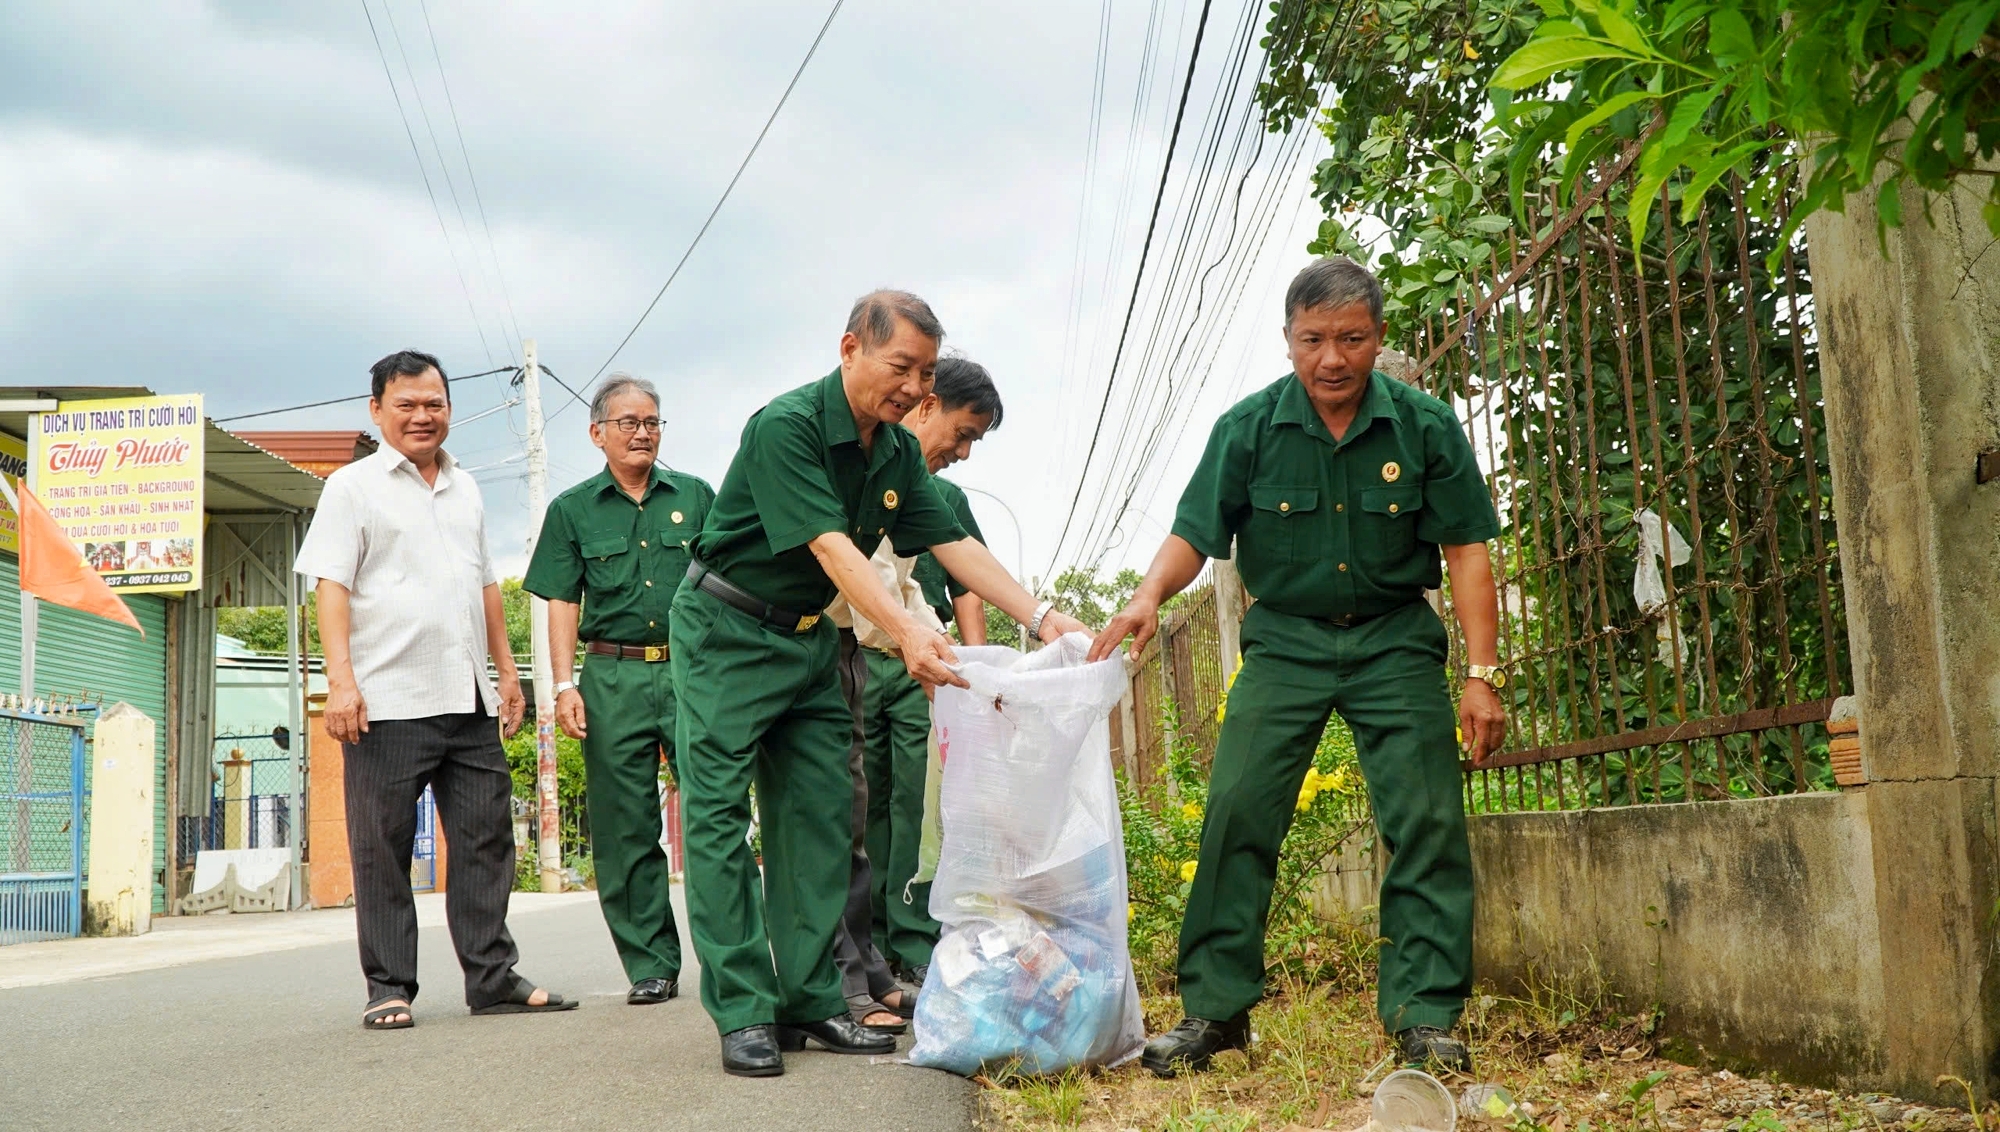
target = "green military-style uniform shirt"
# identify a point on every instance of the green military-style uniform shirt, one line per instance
(1327, 528)
(1337, 540)
(761, 703)
(622, 558)
(800, 473)
(940, 588)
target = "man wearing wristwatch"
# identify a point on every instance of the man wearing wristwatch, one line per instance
(1340, 488)
(821, 476)
(612, 551)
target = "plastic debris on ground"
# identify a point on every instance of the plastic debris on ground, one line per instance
(1032, 972)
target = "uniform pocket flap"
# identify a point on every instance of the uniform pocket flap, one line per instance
(1284, 498)
(1392, 500)
(602, 546)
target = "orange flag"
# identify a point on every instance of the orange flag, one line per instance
(53, 569)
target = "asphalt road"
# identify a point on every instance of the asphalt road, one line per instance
(272, 1040)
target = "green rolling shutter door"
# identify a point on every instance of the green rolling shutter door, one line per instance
(77, 652)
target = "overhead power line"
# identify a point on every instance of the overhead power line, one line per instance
(344, 400)
(424, 171)
(727, 189)
(1145, 249)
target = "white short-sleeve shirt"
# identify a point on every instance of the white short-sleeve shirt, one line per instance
(412, 556)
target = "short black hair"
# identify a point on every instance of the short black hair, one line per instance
(1331, 283)
(873, 319)
(405, 363)
(964, 384)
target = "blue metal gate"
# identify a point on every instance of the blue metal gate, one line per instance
(41, 827)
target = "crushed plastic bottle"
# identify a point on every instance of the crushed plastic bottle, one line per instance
(1488, 1102)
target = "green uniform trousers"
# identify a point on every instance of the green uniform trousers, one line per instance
(1386, 679)
(758, 704)
(897, 719)
(629, 708)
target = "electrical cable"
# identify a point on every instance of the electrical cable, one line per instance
(342, 400)
(727, 189)
(1166, 169)
(424, 171)
(479, 202)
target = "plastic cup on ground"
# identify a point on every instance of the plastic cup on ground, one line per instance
(1410, 1100)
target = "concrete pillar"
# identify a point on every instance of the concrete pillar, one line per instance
(236, 814)
(120, 900)
(1911, 367)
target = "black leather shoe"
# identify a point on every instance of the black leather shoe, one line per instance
(919, 973)
(1193, 1043)
(1425, 1047)
(751, 1052)
(648, 992)
(839, 1034)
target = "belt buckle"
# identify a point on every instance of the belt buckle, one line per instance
(655, 653)
(807, 622)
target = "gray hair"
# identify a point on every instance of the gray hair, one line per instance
(873, 319)
(600, 401)
(1331, 283)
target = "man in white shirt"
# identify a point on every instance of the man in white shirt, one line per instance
(409, 611)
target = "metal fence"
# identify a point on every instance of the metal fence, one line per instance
(250, 799)
(1670, 595)
(42, 807)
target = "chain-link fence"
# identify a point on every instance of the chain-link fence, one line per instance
(250, 798)
(42, 807)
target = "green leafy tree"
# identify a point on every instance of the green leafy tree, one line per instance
(1908, 91)
(262, 629)
(1091, 599)
(514, 603)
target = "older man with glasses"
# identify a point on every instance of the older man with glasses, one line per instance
(612, 551)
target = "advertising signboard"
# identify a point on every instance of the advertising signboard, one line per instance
(123, 477)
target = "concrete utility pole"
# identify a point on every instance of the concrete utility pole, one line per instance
(538, 614)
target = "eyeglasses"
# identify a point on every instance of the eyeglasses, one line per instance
(630, 425)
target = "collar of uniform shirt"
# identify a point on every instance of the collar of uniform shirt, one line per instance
(1294, 407)
(658, 479)
(836, 421)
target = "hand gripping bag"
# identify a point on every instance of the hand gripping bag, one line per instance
(1032, 971)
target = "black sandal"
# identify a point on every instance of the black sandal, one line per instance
(906, 1003)
(516, 1002)
(372, 1017)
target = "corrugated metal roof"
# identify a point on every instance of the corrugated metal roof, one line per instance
(314, 446)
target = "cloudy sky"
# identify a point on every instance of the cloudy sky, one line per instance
(221, 197)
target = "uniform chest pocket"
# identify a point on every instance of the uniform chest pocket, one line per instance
(1385, 535)
(676, 536)
(1285, 521)
(607, 560)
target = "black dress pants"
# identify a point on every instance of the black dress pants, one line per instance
(460, 758)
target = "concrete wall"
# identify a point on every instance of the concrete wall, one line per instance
(1911, 369)
(1752, 923)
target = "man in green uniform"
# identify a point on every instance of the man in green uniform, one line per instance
(1340, 487)
(962, 408)
(611, 553)
(822, 474)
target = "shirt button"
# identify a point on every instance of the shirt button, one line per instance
(1392, 510)
(649, 581)
(642, 542)
(1284, 507)
(1343, 569)
(880, 530)
(1340, 507)
(652, 624)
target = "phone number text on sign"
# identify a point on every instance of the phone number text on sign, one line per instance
(124, 479)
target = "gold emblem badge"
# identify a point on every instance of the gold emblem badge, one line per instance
(890, 499)
(1391, 472)
(677, 516)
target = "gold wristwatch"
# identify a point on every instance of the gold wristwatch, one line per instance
(1494, 675)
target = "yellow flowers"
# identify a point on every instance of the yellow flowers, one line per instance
(1222, 705)
(1470, 52)
(1191, 811)
(1187, 871)
(1310, 789)
(1131, 913)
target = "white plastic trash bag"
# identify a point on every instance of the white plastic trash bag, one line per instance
(1033, 970)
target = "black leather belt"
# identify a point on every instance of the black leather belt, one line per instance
(729, 593)
(1350, 620)
(652, 654)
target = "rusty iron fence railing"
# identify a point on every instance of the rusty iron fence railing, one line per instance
(1653, 431)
